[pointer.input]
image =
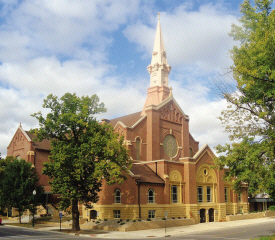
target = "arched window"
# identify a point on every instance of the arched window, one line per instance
(151, 195)
(137, 149)
(117, 196)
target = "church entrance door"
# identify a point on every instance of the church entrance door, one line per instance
(93, 214)
(202, 215)
(211, 215)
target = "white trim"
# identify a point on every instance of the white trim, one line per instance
(164, 102)
(121, 123)
(24, 133)
(200, 151)
(140, 120)
(132, 174)
(136, 123)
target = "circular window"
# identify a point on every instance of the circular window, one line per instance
(170, 146)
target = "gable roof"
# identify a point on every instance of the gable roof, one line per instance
(23, 132)
(43, 145)
(164, 102)
(147, 175)
(127, 120)
(204, 149)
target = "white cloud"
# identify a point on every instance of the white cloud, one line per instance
(61, 27)
(198, 38)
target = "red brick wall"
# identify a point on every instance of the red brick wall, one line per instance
(40, 158)
(19, 146)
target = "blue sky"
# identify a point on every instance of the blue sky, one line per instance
(104, 47)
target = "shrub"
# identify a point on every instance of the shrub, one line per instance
(127, 220)
(272, 208)
(148, 219)
(97, 222)
(139, 220)
(105, 219)
(163, 218)
(178, 217)
(134, 220)
(122, 223)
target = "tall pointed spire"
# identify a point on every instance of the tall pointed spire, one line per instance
(159, 68)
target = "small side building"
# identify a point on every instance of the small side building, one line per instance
(23, 146)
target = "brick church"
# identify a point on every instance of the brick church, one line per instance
(170, 172)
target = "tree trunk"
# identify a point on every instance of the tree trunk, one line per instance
(75, 213)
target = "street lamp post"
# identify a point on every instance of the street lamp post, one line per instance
(34, 193)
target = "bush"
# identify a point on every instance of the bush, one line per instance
(122, 223)
(148, 219)
(272, 208)
(139, 220)
(127, 220)
(97, 222)
(163, 218)
(134, 220)
(105, 219)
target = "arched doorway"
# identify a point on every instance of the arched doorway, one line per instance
(211, 215)
(202, 215)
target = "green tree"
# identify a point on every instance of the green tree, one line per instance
(250, 117)
(83, 151)
(248, 165)
(17, 183)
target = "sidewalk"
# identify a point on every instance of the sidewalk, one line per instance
(175, 231)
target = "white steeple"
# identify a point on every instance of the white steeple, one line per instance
(159, 68)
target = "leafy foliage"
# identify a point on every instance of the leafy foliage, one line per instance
(17, 183)
(250, 117)
(248, 165)
(83, 151)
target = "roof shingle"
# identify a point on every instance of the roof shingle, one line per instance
(128, 120)
(44, 144)
(147, 175)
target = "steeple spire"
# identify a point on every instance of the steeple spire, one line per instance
(159, 67)
(159, 70)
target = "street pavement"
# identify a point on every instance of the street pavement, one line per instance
(174, 231)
